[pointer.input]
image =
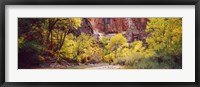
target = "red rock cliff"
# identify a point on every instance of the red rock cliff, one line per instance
(116, 25)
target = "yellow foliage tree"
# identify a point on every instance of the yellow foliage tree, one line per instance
(69, 48)
(61, 27)
(138, 49)
(165, 35)
(88, 50)
(116, 42)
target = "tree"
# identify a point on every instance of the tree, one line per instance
(51, 24)
(88, 49)
(62, 27)
(138, 49)
(116, 42)
(69, 48)
(165, 35)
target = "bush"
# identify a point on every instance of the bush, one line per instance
(120, 61)
(91, 55)
(109, 58)
(168, 62)
(141, 63)
(165, 62)
(147, 64)
(130, 57)
(133, 59)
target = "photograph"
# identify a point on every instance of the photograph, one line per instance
(100, 43)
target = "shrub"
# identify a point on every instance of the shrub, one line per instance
(131, 56)
(164, 62)
(147, 64)
(120, 61)
(168, 62)
(109, 58)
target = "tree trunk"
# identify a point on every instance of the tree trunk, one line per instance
(49, 32)
(57, 33)
(47, 40)
(51, 46)
(50, 28)
(63, 40)
(115, 53)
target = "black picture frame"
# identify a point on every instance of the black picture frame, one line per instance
(98, 2)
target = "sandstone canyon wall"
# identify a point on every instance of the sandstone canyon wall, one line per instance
(132, 28)
(117, 25)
